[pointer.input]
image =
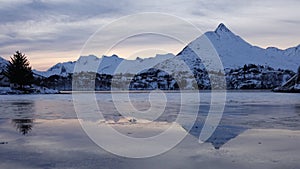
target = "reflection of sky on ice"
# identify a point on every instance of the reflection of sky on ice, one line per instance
(54, 131)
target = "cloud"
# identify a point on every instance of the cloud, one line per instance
(42, 27)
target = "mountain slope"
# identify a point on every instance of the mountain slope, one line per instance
(3, 64)
(105, 65)
(246, 66)
(235, 52)
(62, 69)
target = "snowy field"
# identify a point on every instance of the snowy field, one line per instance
(258, 129)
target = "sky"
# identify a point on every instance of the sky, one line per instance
(52, 31)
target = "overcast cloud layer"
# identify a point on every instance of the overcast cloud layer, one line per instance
(51, 31)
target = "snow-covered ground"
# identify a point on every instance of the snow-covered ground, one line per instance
(33, 90)
(5, 90)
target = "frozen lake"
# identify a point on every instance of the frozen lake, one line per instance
(42, 131)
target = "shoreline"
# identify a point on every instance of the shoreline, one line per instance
(144, 91)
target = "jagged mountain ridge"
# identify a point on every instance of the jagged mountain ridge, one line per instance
(246, 66)
(105, 65)
(233, 51)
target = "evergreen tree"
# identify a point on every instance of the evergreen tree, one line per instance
(18, 70)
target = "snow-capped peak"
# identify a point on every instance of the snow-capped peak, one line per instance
(235, 52)
(112, 56)
(222, 28)
(85, 59)
(104, 65)
(138, 59)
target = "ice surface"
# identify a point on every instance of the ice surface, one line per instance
(42, 131)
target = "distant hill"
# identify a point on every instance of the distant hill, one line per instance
(105, 65)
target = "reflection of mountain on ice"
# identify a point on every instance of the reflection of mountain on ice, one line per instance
(220, 136)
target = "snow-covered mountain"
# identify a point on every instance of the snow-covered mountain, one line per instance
(62, 69)
(105, 65)
(246, 66)
(235, 52)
